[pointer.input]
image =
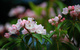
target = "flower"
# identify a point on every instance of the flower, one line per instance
(7, 35)
(50, 20)
(7, 25)
(40, 29)
(65, 11)
(24, 31)
(13, 29)
(16, 11)
(77, 8)
(59, 16)
(56, 19)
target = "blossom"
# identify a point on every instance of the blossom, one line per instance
(59, 16)
(77, 8)
(7, 25)
(73, 13)
(65, 11)
(69, 7)
(13, 29)
(56, 19)
(50, 20)
(51, 31)
(24, 31)
(17, 10)
(7, 35)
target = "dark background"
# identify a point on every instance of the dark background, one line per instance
(6, 5)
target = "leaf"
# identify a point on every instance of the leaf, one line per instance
(63, 32)
(38, 46)
(50, 35)
(77, 26)
(60, 4)
(60, 24)
(7, 45)
(46, 38)
(38, 36)
(23, 46)
(72, 46)
(36, 9)
(26, 38)
(12, 46)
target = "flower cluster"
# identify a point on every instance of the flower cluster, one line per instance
(30, 26)
(56, 20)
(73, 10)
(17, 10)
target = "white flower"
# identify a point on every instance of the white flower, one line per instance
(7, 25)
(30, 25)
(24, 31)
(40, 29)
(50, 21)
(56, 19)
(13, 29)
(77, 8)
(65, 11)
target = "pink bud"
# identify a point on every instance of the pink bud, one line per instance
(52, 23)
(69, 7)
(59, 16)
(63, 19)
(7, 35)
(56, 22)
(72, 7)
(51, 31)
(52, 19)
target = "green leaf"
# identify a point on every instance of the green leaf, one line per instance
(12, 46)
(38, 36)
(60, 4)
(77, 26)
(38, 45)
(50, 35)
(23, 46)
(7, 45)
(72, 46)
(63, 32)
(46, 38)
(36, 9)
(26, 38)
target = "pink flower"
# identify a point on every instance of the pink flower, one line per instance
(24, 31)
(73, 13)
(63, 19)
(72, 7)
(7, 35)
(65, 11)
(53, 23)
